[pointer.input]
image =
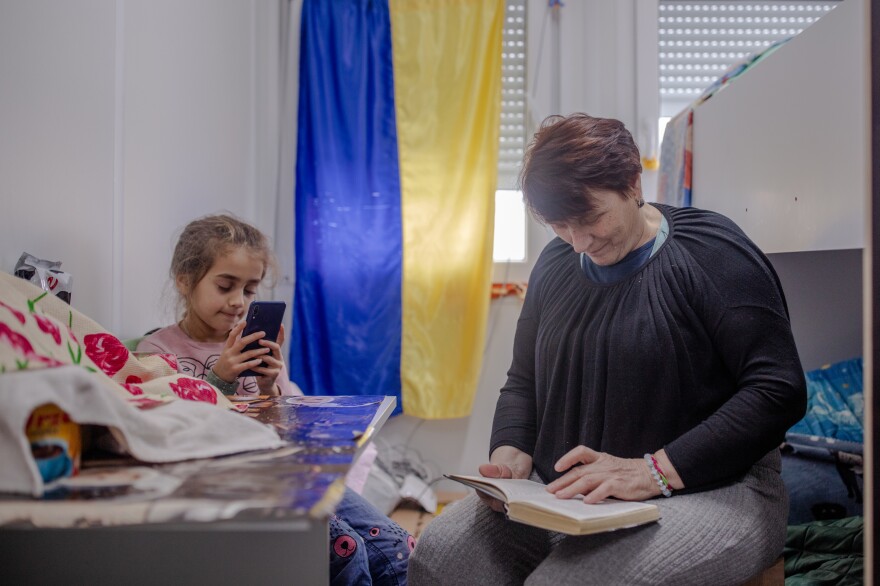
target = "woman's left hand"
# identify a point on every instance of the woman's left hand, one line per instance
(600, 475)
(271, 367)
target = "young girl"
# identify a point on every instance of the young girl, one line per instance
(217, 266)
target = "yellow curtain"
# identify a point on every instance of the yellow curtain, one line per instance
(447, 89)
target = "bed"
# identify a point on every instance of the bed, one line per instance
(758, 148)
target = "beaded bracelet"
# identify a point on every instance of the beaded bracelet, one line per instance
(226, 387)
(658, 475)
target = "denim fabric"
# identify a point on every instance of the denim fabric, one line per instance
(366, 547)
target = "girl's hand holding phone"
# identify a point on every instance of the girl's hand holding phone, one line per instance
(232, 361)
(253, 347)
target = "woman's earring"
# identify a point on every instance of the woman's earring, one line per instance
(640, 202)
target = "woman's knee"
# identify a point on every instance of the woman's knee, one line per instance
(469, 543)
(437, 552)
(435, 539)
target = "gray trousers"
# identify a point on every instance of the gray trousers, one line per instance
(718, 537)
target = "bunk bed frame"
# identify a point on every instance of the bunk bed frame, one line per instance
(785, 151)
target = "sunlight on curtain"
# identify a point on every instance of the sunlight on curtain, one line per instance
(447, 64)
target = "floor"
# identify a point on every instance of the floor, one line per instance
(412, 517)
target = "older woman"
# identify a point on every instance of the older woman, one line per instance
(653, 358)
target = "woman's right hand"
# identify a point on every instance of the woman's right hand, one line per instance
(505, 462)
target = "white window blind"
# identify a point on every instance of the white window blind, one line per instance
(699, 41)
(510, 220)
(513, 94)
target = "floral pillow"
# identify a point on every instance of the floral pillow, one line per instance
(39, 330)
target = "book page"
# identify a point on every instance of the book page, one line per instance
(535, 495)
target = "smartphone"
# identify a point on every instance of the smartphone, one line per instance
(262, 316)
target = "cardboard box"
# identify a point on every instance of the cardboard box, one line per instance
(414, 518)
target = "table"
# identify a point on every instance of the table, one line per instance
(255, 518)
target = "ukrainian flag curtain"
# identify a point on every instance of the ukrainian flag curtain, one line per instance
(396, 166)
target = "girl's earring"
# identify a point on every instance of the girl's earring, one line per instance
(640, 202)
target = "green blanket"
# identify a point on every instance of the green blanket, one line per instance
(825, 552)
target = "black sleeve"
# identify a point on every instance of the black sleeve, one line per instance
(757, 347)
(515, 422)
(748, 322)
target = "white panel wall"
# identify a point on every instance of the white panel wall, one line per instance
(783, 150)
(57, 141)
(122, 120)
(188, 134)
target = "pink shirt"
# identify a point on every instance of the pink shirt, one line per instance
(196, 359)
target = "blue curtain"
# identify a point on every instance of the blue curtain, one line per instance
(347, 301)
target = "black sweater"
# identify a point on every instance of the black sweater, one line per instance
(693, 352)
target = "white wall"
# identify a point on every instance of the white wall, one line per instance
(188, 133)
(57, 141)
(784, 150)
(123, 120)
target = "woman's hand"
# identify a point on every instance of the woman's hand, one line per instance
(597, 475)
(233, 361)
(505, 462)
(272, 363)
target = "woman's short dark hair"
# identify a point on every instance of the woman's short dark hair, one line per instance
(569, 157)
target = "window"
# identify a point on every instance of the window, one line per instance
(699, 41)
(510, 226)
(510, 217)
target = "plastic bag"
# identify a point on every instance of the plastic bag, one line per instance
(45, 274)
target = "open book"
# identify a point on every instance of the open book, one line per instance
(529, 502)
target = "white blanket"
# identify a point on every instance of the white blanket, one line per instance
(173, 431)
